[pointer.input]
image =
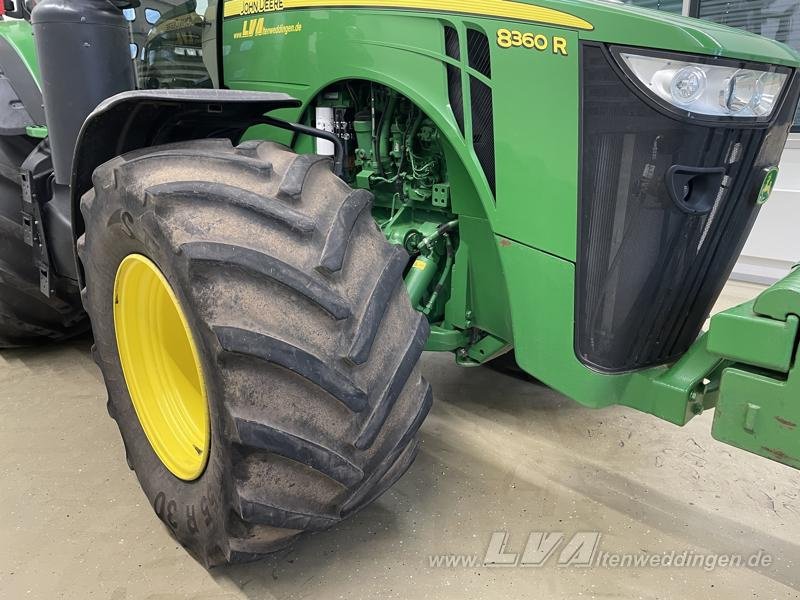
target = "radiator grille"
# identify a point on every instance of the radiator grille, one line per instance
(649, 273)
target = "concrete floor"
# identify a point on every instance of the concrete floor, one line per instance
(496, 455)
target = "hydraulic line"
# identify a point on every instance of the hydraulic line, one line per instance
(448, 266)
(428, 242)
(386, 125)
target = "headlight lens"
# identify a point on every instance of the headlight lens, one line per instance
(688, 85)
(713, 90)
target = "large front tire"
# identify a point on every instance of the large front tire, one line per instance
(306, 339)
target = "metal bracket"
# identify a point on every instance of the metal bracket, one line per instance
(441, 195)
(27, 207)
(31, 215)
(44, 280)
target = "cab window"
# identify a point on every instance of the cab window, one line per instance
(175, 42)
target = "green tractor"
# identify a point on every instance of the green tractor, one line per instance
(339, 185)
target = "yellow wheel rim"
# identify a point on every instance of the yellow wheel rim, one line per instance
(162, 367)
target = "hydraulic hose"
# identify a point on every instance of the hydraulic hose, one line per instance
(448, 265)
(427, 242)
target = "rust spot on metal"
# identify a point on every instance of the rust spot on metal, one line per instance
(505, 243)
(779, 455)
(786, 423)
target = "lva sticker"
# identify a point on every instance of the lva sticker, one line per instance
(770, 178)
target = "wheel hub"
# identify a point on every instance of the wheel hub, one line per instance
(161, 367)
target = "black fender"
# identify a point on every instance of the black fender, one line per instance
(141, 119)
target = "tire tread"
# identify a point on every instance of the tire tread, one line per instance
(345, 395)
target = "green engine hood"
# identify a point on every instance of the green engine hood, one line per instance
(628, 25)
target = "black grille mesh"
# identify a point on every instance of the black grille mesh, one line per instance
(455, 87)
(479, 55)
(648, 272)
(451, 44)
(480, 59)
(483, 128)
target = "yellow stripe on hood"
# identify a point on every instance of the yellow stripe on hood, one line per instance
(506, 9)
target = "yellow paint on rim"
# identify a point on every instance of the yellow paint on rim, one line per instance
(505, 9)
(161, 367)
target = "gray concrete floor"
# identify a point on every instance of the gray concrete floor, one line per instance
(496, 455)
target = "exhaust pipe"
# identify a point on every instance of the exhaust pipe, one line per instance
(84, 55)
(83, 47)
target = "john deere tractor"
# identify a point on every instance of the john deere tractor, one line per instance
(266, 210)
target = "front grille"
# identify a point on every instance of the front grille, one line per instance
(649, 268)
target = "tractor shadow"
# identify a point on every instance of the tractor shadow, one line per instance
(51, 358)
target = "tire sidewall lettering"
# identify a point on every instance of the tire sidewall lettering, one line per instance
(185, 517)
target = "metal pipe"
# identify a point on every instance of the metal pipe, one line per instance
(376, 155)
(386, 125)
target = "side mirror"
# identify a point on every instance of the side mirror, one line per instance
(17, 9)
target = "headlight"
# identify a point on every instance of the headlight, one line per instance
(713, 90)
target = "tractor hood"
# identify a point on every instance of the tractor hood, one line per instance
(617, 23)
(607, 21)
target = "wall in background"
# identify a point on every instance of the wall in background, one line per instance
(774, 245)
